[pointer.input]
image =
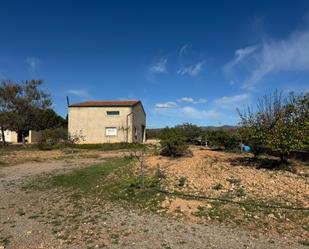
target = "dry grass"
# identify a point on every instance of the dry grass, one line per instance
(11, 157)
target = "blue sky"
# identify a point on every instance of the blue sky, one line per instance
(188, 61)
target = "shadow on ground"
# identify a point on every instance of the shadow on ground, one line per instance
(263, 163)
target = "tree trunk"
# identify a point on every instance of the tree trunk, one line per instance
(23, 139)
(2, 135)
(142, 176)
(283, 159)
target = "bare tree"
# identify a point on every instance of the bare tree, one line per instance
(74, 139)
(139, 155)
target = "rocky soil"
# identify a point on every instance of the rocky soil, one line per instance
(55, 218)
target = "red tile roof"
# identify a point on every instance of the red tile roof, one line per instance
(107, 103)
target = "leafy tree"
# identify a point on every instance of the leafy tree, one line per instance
(50, 119)
(280, 124)
(252, 136)
(221, 138)
(8, 93)
(25, 103)
(173, 142)
(299, 106)
(291, 130)
(192, 132)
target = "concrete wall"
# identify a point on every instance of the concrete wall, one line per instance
(91, 123)
(139, 124)
(33, 137)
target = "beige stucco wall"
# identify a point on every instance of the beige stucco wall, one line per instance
(10, 136)
(91, 122)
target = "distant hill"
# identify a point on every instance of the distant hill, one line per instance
(223, 127)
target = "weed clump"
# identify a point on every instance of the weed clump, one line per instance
(182, 181)
(217, 186)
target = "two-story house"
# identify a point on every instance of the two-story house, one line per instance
(108, 121)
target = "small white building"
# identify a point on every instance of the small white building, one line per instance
(14, 137)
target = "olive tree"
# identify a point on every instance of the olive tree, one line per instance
(278, 123)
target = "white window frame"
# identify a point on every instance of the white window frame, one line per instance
(111, 115)
(109, 133)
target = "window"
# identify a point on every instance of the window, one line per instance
(110, 131)
(112, 113)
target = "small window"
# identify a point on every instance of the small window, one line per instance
(110, 131)
(112, 113)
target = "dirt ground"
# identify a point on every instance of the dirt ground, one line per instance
(28, 218)
(206, 169)
(222, 175)
(9, 158)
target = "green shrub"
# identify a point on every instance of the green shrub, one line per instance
(52, 137)
(173, 142)
(153, 133)
(110, 146)
(193, 133)
(58, 139)
(222, 139)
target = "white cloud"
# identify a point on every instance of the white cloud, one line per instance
(233, 101)
(159, 66)
(183, 50)
(191, 112)
(192, 101)
(186, 100)
(272, 56)
(33, 63)
(192, 70)
(166, 105)
(79, 93)
(201, 101)
(240, 55)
